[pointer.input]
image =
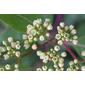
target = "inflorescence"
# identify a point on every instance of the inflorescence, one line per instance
(37, 34)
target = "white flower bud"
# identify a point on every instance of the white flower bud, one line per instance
(56, 48)
(63, 54)
(73, 32)
(18, 46)
(4, 42)
(13, 45)
(17, 54)
(44, 68)
(62, 24)
(75, 37)
(61, 65)
(39, 69)
(71, 27)
(60, 42)
(33, 32)
(47, 34)
(35, 39)
(10, 39)
(57, 36)
(24, 36)
(82, 68)
(1, 69)
(8, 48)
(50, 27)
(83, 53)
(16, 65)
(41, 38)
(75, 61)
(26, 46)
(75, 42)
(61, 60)
(6, 56)
(34, 47)
(7, 67)
(39, 53)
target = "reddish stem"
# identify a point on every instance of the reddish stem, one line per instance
(70, 50)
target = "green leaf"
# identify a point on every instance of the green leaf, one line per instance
(19, 22)
(29, 62)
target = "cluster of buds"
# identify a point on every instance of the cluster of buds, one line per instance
(37, 33)
(74, 65)
(66, 33)
(10, 48)
(53, 56)
(9, 67)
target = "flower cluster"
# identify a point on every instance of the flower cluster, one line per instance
(10, 48)
(74, 65)
(9, 67)
(53, 56)
(37, 33)
(66, 33)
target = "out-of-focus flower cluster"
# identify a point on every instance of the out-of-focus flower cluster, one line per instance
(10, 48)
(54, 57)
(37, 33)
(66, 33)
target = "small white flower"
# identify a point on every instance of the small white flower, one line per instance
(35, 39)
(26, 46)
(2, 49)
(39, 53)
(71, 27)
(34, 47)
(63, 54)
(73, 32)
(18, 46)
(24, 36)
(57, 36)
(13, 44)
(75, 37)
(39, 69)
(17, 53)
(1, 69)
(71, 63)
(50, 27)
(33, 32)
(61, 60)
(6, 56)
(57, 48)
(47, 34)
(50, 69)
(44, 68)
(82, 68)
(7, 67)
(66, 28)
(10, 39)
(62, 24)
(60, 42)
(83, 53)
(69, 69)
(41, 38)
(75, 42)
(61, 65)
(4, 42)
(45, 61)
(8, 48)
(75, 61)
(29, 28)
(16, 65)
